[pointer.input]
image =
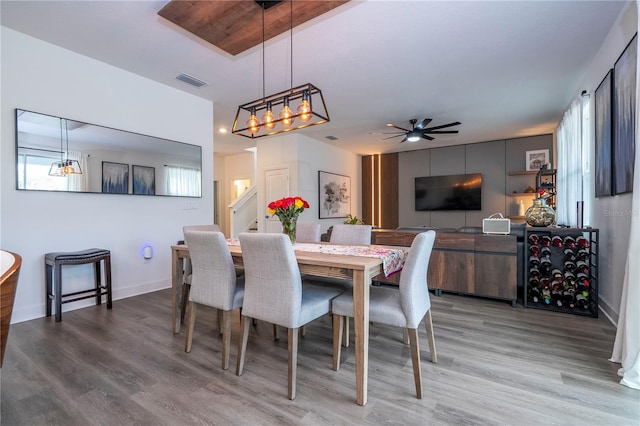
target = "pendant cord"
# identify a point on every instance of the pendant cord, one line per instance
(263, 64)
(66, 129)
(61, 136)
(291, 39)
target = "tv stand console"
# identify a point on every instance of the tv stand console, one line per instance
(466, 263)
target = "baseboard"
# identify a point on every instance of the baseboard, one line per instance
(39, 310)
(608, 312)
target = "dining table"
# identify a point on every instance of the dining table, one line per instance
(359, 267)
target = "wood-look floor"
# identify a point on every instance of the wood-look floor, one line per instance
(496, 365)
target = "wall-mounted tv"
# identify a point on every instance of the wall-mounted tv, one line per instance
(451, 192)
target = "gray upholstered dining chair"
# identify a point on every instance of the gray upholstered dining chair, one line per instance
(213, 283)
(275, 292)
(186, 277)
(405, 306)
(308, 232)
(351, 234)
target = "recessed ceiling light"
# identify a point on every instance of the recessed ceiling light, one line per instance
(223, 130)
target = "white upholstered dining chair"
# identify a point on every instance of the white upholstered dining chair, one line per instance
(274, 292)
(405, 306)
(308, 232)
(213, 283)
(351, 234)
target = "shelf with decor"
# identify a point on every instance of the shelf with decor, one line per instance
(521, 194)
(561, 270)
(523, 173)
(546, 180)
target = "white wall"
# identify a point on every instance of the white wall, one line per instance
(305, 157)
(612, 215)
(44, 78)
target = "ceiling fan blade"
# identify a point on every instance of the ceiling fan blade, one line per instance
(391, 137)
(441, 127)
(396, 127)
(427, 137)
(404, 139)
(424, 124)
(442, 132)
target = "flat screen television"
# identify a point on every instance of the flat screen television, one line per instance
(451, 192)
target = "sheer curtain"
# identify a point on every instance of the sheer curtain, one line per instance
(78, 182)
(184, 181)
(626, 349)
(569, 166)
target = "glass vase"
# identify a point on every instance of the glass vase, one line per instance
(289, 228)
(540, 214)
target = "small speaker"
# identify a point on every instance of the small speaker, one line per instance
(496, 226)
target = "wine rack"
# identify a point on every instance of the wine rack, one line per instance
(561, 270)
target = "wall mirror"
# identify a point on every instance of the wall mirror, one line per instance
(59, 154)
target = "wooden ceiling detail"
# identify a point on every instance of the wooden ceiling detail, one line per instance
(235, 26)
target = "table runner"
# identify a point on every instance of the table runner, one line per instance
(392, 259)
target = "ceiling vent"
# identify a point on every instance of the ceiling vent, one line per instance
(191, 80)
(331, 138)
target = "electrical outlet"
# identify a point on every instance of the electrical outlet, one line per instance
(191, 205)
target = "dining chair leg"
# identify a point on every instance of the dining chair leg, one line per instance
(220, 316)
(276, 335)
(185, 299)
(242, 343)
(337, 340)
(226, 337)
(345, 334)
(405, 336)
(415, 360)
(293, 360)
(191, 321)
(432, 340)
(303, 331)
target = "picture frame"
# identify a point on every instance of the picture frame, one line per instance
(144, 180)
(536, 159)
(115, 178)
(604, 136)
(334, 199)
(624, 113)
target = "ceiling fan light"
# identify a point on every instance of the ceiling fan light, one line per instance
(413, 136)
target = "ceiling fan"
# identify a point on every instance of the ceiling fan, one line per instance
(421, 130)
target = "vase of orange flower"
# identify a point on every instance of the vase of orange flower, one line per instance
(288, 209)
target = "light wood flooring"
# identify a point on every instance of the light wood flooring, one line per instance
(496, 365)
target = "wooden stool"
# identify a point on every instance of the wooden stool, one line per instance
(53, 265)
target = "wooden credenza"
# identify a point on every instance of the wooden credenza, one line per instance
(466, 263)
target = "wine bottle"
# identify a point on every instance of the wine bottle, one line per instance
(569, 266)
(545, 283)
(557, 241)
(545, 265)
(569, 242)
(582, 301)
(556, 273)
(534, 272)
(545, 241)
(569, 278)
(534, 250)
(534, 294)
(568, 297)
(534, 261)
(556, 298)
(534, 282)
(583, 254)
(569, 255)
(533, 239)
(583, 289)
(545, 251)
(546, 296)
(582, 266)
(582, 242)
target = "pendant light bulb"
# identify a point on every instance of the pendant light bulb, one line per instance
(268, 119)
(68, 168)
(285, 115)
(252, 123)
(304, 109)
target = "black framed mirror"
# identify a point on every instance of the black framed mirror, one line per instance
(60, 154)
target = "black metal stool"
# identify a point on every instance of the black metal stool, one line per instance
(53, 265)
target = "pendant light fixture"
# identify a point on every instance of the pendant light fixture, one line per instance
(66, 166)
(311, 109)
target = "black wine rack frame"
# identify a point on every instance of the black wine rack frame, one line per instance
(557, 258)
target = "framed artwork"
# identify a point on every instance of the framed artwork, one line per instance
(334, 195)
(115, 178)
(624, 113)
(144, 180)
(537, 159)
(604, 135)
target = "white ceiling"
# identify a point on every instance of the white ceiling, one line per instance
(503, 69)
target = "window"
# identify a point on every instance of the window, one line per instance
(33, 173)
(184, 181)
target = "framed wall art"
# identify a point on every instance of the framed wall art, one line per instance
(604, 135)
(115, 178)
(624, 113)
(334, 195)
(537, 159)
(144, 180)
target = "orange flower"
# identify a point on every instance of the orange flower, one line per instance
(287, 208)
